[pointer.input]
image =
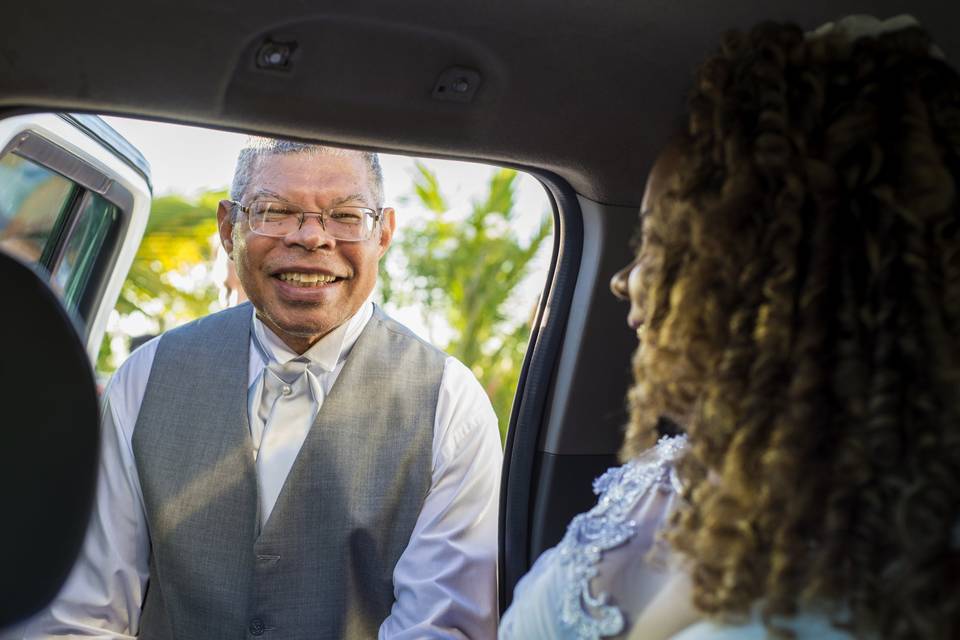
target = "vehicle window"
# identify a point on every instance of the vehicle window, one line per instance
(468, 261)
(32, 201)
(53, 222)
(95, 218)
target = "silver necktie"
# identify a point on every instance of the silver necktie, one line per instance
(288, 402)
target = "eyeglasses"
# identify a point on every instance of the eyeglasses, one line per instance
(277, 219)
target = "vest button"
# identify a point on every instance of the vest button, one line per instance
(256, 627)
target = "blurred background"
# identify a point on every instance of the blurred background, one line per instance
(465, 271)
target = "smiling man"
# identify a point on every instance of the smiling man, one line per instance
(300, 466)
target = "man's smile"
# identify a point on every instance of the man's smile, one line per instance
(304, 279)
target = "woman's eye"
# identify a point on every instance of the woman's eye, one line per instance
(636, 239)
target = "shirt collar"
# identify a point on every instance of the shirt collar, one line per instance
(326, 353)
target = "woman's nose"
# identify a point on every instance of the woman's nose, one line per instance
(618, 283)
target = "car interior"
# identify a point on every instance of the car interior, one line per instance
(55, 403)
(580, 95)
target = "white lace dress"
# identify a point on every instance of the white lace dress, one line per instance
(804, 627)
(609, 564)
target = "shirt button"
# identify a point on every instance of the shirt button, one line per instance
(256, 627)
(286, 390)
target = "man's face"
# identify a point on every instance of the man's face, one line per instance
(302, 314)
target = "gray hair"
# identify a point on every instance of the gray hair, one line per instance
(257, 147)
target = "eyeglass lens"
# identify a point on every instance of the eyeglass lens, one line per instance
(279, 219)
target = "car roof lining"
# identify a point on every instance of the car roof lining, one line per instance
(588, 91)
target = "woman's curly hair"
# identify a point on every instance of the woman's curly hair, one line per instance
(801, 281)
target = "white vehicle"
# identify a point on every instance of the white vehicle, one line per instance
(74, 202)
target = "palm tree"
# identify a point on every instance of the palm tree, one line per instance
(467, 273)
(177, 238)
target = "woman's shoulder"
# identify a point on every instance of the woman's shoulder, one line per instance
(588, 565)
(636, 476)
(804, 627)
(622, 492)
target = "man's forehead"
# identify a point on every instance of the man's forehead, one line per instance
(271, 173)
(325, 160)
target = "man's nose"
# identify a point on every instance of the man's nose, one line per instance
(311, 235)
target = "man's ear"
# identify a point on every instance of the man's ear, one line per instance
(225, 225)
(388, 225)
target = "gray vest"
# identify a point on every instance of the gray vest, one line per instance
(322, 567)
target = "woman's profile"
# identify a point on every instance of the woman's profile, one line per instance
(609, 565)
(797, 296)
(802, 310)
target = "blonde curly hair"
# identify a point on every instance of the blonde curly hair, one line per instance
(801, 283)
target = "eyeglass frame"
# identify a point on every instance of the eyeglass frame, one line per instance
(377, 218)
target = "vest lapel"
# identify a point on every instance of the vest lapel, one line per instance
(194, 457)
(337, 412)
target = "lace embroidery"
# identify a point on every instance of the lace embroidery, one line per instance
(605, 527)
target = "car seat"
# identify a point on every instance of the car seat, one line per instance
(50, 441)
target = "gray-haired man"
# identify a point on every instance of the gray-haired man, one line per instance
(299, 467)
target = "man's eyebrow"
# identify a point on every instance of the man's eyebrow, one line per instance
(354, 197)
(266, 192)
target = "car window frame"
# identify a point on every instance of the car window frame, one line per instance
(87, 179)
(91, 289)
(79, 147)
(520, 473)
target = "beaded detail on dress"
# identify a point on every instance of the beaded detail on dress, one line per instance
(604, 527)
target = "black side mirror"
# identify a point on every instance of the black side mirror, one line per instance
(49, 432)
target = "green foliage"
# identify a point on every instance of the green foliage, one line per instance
(465, 272)
(176, 239)
(462, 272)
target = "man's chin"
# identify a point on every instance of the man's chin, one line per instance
(299, 329)
(299, 322)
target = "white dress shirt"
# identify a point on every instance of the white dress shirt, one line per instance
(445, 580)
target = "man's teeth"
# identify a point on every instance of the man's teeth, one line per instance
(307, 279)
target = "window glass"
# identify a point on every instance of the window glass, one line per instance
(94, 221)
(32, 200)
(468, 261)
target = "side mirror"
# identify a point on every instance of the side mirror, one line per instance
(50, 440)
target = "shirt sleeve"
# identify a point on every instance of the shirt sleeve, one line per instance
(104, 592)
(445, 580)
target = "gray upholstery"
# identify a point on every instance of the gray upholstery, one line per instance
(585, 89)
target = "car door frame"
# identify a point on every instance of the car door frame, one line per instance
(85, 150)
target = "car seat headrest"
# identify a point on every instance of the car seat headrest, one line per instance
(50, 439)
